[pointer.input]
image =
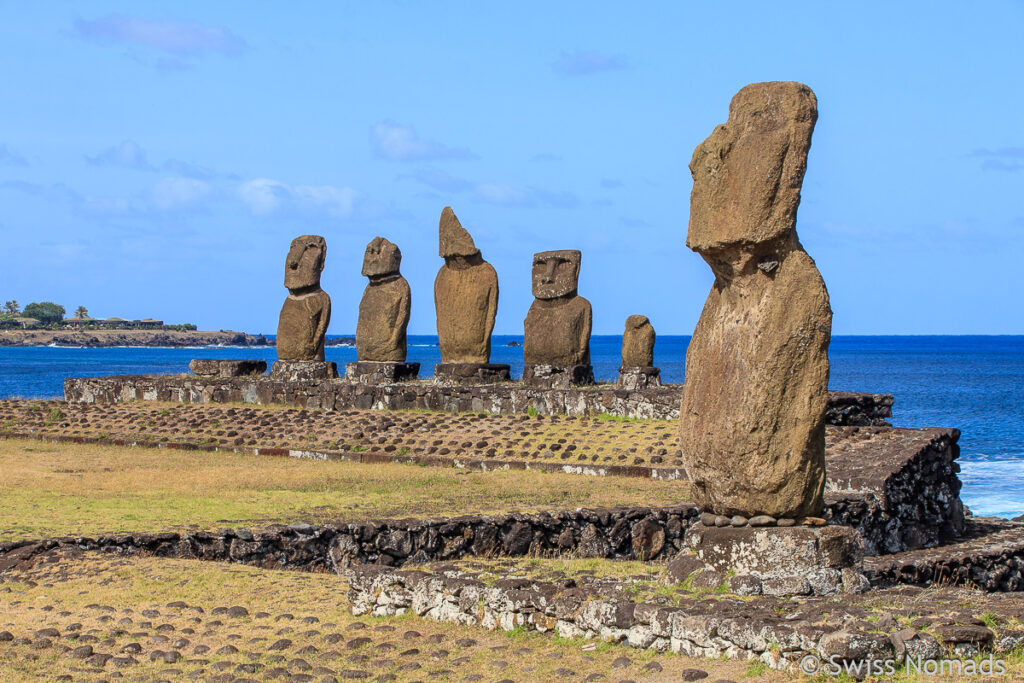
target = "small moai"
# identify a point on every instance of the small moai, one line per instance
(383, 318)
(637, 370)
(556, 340)
(305, 315)
(466, 301)
(752, 418)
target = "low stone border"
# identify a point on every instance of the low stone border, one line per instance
(505, 398)
(779, 633)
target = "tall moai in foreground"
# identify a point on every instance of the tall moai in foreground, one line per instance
(305, 315)
(752, 419)
(383, 318)
(637, 370)
(556, 341)
(466, 302)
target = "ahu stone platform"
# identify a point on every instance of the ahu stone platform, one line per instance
(505, 398)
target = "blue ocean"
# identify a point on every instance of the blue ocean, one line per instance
(974, 383)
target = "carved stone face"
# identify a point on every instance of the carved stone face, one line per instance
(556, 273)
(305, 262)
(381, 258)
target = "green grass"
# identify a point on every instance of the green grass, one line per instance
(75, 489)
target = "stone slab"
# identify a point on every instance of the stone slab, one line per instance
(303, 370)
(458, 374)
(638, 378)
(378, 372)
(507, 398)
(223, 368)
(556, 377)
(776, 552)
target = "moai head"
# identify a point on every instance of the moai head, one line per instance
(635, 322)
(382, 258)
(748, 173)
(305, 262)
(556, 273)
(455, 244)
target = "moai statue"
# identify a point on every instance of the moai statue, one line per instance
(556, 341)
(383, 317)
(752, 418)
(638, 371)
(305, 314)
(466, 300)
(753, 411)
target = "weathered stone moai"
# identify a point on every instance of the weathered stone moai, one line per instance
(637, 370)
(752, 419)
(466, 301)
(556, 341)
(383, 318)
(305, 314)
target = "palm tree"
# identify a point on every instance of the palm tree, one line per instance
(81, 312)
(12, 307)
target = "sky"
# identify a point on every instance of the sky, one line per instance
(156, 160)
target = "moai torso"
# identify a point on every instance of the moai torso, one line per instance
(297, 329)
(557, 332)
(306, 312)
(385, 306)
(465, 296)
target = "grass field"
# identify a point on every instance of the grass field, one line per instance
(50, 489)
(294, 623)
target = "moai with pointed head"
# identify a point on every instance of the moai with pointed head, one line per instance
(637, 370)
(752, 418)
(466, 301)
(556, 341)
(383, 318)
(305, 315)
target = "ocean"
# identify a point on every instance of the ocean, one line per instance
(974, 383)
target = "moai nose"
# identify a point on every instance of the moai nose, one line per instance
(549, 271)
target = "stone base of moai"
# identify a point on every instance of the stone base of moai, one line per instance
(379, 372)
(222, 368)
(558, 376)
(303, 370)
(455, 374)
(639, 378)
(773, 560)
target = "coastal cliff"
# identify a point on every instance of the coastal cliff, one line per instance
(106, 338)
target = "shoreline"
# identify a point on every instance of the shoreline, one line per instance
(169, 339)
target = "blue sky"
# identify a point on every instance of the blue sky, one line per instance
(157, 160)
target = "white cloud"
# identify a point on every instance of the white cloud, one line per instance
(265, 196)
(396, 142)
(262, 195)
(175, 37)
(498, 193)
(175, 193)
(128, 154)
(11, 157)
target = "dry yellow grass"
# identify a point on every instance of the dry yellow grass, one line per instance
(58, 596)
(53, 489)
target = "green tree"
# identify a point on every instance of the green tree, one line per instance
(44, 312)
(81, 312)
(12, 307)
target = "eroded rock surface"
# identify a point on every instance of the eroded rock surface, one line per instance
(385, 306)
(307, 310)
(465, 295)
(638, 343)
(753, 408)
